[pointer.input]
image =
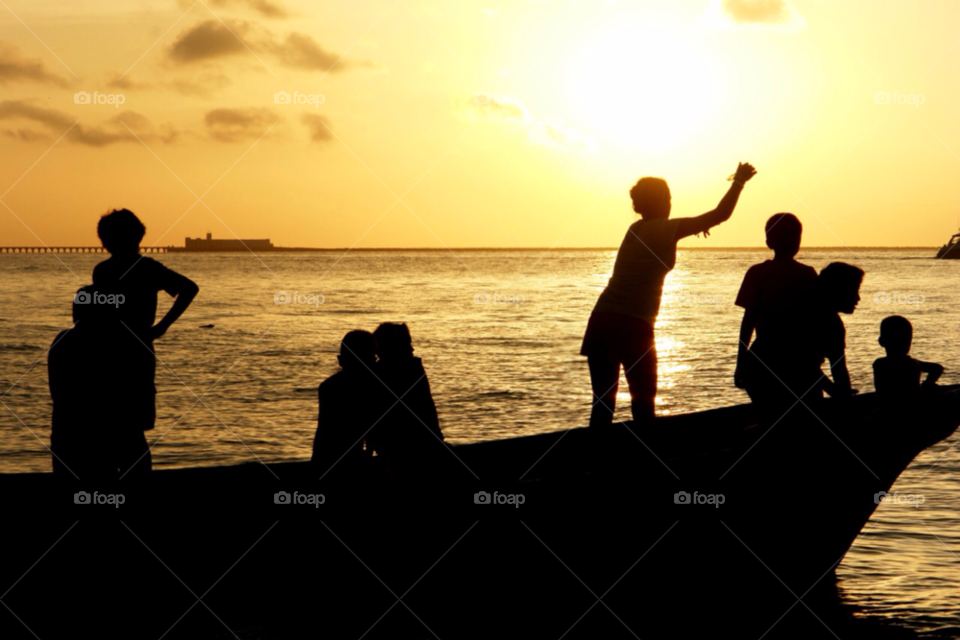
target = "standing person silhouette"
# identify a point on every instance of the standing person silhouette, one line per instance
(768, 289)
(138, 279)
(621, 328)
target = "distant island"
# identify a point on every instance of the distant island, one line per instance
(209, 244)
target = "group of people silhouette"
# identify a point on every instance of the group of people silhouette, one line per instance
(101, 371)
(793, 312)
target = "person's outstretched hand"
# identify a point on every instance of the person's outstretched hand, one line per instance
(745, 171)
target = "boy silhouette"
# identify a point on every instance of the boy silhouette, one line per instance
(770, 287)
(346, 411)
(896, 377)
(799, 337)
(138, 279)
(408, 435)
(620, 331)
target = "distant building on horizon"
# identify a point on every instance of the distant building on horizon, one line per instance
(209, 244)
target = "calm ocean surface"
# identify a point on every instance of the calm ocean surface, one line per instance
(499, 333)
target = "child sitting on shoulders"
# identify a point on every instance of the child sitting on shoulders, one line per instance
(896, 377)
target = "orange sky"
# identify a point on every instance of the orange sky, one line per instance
(465, 124)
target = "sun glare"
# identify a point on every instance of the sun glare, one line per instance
(640, 86)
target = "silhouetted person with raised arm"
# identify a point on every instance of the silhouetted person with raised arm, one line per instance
(408, 435)
(348, 409)
(896, 377)
(138, 279)
(799, 337)
(620, 331)
(770, 287)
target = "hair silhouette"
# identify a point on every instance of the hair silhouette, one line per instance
(783, 231)
(393, 340)
(896, 334)
(651, 197)
(120, 230)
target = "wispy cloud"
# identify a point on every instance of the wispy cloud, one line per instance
(14, 68)
(212, 40)
(235, 125)
(319, 127)
(496, 107)
(56, 122)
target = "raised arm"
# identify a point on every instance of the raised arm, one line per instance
(703, 223)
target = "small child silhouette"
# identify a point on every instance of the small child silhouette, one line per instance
(770, 287)
(896, 377)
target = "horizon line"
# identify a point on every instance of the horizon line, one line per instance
(280, 249)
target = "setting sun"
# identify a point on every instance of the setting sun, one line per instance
(641, 85)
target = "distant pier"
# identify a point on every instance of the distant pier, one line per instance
(77, 249)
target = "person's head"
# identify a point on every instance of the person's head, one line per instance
(393, 341)
(358, 351)
(783, 234)
(651, 198)
(838, 286)
(120, 231)
(89, 315)
(896, 335)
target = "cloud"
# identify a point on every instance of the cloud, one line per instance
(58, 123)
(26, 135)
(234, 125)
(209, 40)
(560, 138)
(212, 40)
(498, 107)
(495, 106)
(16, 68)
(301, 51)
(777, 15)
(264, 7)
(18, 109)
(319, 127)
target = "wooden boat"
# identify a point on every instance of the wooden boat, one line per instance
(604, 521)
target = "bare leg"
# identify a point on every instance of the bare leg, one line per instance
(641, 374)
(604, 378)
